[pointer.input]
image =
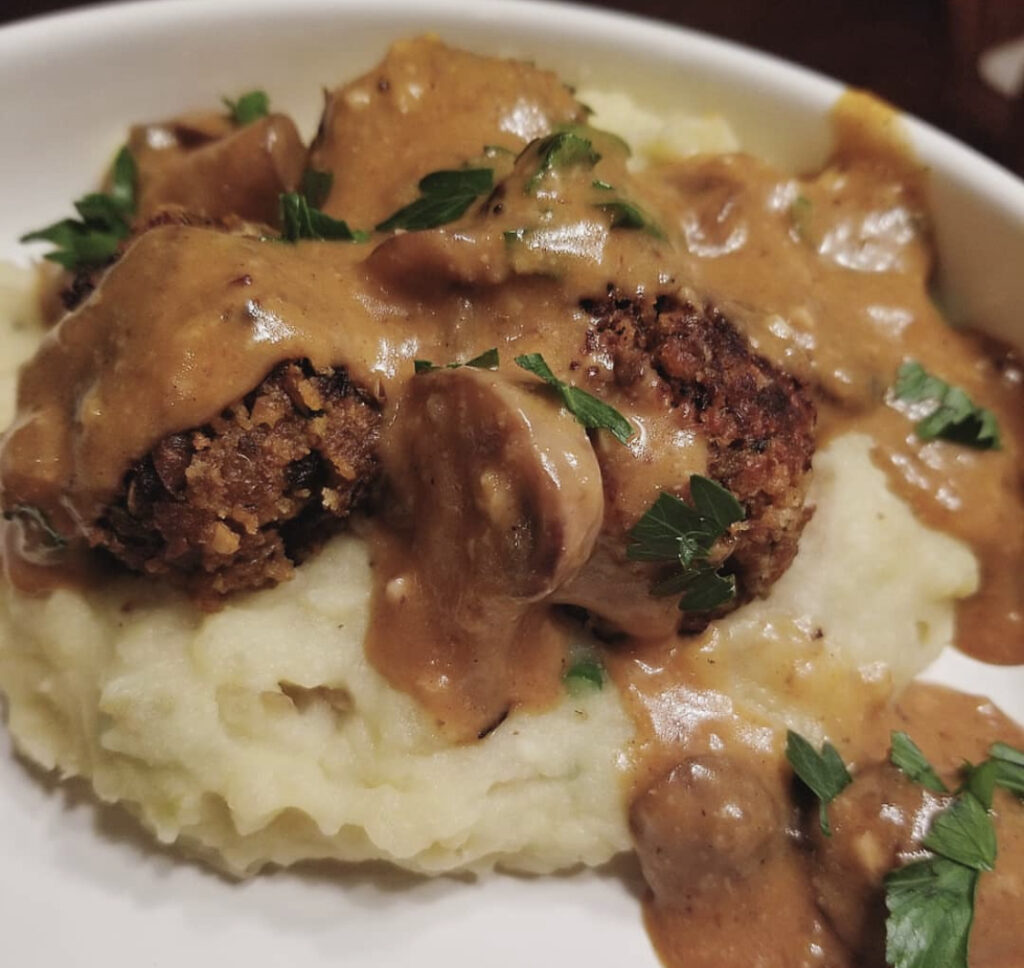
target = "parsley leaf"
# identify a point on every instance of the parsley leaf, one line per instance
(906, 754)
(715, 503)
(931, 909)
(444, 197)
(964, 832)
(981, 782)
(563, 149)
(105, 221)
(627, 215)
(316, 186)
(586, 408)
(299, 220)
(487, 360)
(124, 177)
(39, 521)
(250, 107)
(1009, 767)
(824, 773)
(955, 416)
(673, 531)
(583, 676)
(931, 902)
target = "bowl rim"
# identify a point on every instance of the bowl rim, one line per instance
(27, 38)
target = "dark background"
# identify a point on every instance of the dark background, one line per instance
(919, 54)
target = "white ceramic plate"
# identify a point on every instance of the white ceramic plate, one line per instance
(78, 885)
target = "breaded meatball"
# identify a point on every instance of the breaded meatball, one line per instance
(234, 504)
(757, 420)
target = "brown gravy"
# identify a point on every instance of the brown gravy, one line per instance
(773, 916)
(828, 278)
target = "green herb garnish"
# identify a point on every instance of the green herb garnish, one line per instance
(673, 531)
(824, 773)
(931, 901)
(250, 107)
(964, 833)
(905, 754)
(955, 416)
(1009, 767)
(316, 186)
(586, 408)
(627, 215)
(488, 360)
(583, 676)
(38, 519)
(444, 197)
(931, 908)
(563, 149)
(105, 221)
(299, 220)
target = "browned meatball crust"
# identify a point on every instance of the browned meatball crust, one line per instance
(233, 505)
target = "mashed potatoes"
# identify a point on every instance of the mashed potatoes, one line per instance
(260, 734)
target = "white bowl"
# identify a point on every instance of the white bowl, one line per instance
(77, 886)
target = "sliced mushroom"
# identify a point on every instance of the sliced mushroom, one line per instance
(496, 494)
(214, 169)
(708, 821)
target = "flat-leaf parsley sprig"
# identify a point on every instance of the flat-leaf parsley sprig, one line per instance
(585, 407)
(444, 197)
(105, 220)
(487, 360)
(953, 415)
(824, 773)
(673, 531)
(301, 217)
(931, 900)
(249, 107)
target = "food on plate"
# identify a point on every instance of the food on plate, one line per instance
(523, 499)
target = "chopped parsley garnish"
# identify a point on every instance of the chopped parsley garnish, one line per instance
(563, 149)
(673, 531)
(316, 186)
(250, 107)
(905, 754)
(488, 360)
(1009, 767)
(931, 901)
(931, 909)
(964, 832)
(444, 197)
(586, 408)
(824, 773)
(105, 221)
(300, 220)
(627, 215)
(40, 522)
(583, 676)
(954, 417)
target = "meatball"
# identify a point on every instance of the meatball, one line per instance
(234, 504)
(709, 819)
(756, 421)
